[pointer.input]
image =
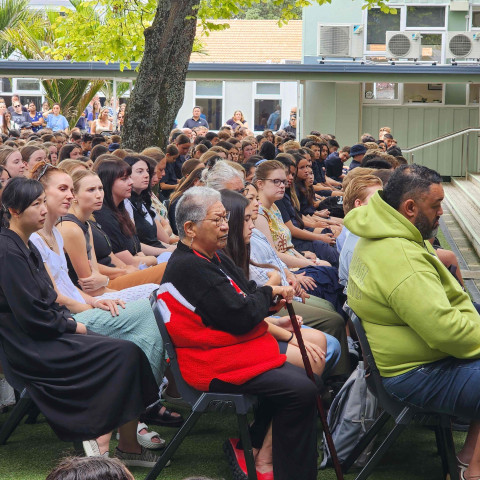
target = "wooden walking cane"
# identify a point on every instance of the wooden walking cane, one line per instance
(321, 411)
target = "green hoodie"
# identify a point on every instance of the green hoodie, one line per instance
(412, 308)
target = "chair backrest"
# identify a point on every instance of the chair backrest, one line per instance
(188, 393)
(15, 382)
(374, 379)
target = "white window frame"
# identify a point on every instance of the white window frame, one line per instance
(469, 103)
(375, 101)
(265, 96)
(219, 97)
(471, 9)
(379, 53)
(429, 104)
(426, 29)
(36, 93)
(404, 28)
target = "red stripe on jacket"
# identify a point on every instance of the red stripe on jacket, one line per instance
(205, 353)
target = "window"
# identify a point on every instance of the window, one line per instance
(28, 84)
(378, 23)
(432, 47)
(423, 93)
(475, 17)
(209, 97)
(381, 91)
(268, 114)
(429, 17)
(6, 85)
(209, 88)
(268, 89)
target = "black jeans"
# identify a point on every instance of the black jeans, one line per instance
(287, 398)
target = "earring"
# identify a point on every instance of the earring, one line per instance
(191, 242)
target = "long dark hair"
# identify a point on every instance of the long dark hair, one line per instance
(66, 150)
(18, 195)
(145, 196)
(300, 184)
(109, 171)
(236, 248)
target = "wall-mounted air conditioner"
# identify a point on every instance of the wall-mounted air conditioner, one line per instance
(340, 40)
(463, 45)
(404, 45)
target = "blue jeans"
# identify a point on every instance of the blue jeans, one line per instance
(332, 355)
(449, 386)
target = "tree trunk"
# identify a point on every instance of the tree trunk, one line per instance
(160, 85)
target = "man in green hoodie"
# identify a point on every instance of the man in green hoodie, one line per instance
(422, 327)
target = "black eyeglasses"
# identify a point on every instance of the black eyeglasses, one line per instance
(220, 220)
(17, 106)
(276, 181)
(44, 170)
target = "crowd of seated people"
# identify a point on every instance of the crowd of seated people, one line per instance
(223, 223)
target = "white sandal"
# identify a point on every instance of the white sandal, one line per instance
(146, 439)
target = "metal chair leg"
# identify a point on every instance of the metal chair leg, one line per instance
(377, 456)
(247, 446)
(365, 441)
(20, 410)
(173, 445)
(440, 439)
(450, 455)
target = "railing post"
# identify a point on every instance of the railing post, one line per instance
(466, 164)
(412, 156)
(462, 159)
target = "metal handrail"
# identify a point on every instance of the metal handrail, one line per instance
(443, 138)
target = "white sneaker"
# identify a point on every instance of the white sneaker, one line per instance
(91, 449)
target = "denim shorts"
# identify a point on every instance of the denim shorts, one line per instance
(450, 386)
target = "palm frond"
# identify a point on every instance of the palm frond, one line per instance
(72, 94)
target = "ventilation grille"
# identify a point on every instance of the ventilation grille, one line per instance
(334, 40)
(460, 45)
(399, 44)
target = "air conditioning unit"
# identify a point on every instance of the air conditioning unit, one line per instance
(463, 45)
(340, 40)
(404, 45)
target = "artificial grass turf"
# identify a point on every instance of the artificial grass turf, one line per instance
(33, 450)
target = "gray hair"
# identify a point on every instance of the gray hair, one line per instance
(193, 206)
(220, 174)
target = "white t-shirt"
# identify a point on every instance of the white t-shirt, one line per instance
(57, 265)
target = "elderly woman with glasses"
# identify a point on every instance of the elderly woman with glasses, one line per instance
(216, 321)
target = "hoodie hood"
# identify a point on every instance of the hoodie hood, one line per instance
(379, 220)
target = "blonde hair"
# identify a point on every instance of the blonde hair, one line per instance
(153, 152)
(357, 190)
(78, 176)
(69, 165)
(241, 113)
(291, 145)
(356, 172)
(265, 168)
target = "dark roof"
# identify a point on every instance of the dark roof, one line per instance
(338, 71)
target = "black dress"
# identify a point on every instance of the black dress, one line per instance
(85, 385)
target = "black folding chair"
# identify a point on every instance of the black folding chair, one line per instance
(201, 402)
(402, 415)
